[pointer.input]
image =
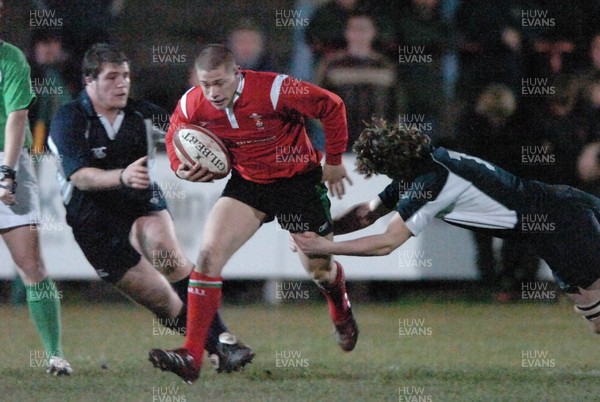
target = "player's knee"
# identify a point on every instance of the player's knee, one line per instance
(168, 261)
(320, 272)
(32, 268)
(210, 261)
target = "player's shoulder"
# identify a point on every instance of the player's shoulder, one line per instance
(12, 58)
(73, 108)
(261, 79)
(259, 75)
(145, 108)
(11, 52)
(70, 114)
(191, 102)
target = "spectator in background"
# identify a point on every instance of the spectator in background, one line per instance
(85, 22)
(247, 43)
(556, 135)
(588, 167)
(325, 31)
(588, 99)
(559, 32)
(489, 131)
(324, 35)
(54, 81)
(594, 52)
(492, 45)
(423, 38)
(362, 77)
(588, 163)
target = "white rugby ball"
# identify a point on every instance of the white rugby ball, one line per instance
(195, 144)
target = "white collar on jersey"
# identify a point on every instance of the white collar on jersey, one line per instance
(229, 108)
(240, 88)
(112, 129)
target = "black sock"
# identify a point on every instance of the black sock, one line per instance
(216, 328)
(181, 289)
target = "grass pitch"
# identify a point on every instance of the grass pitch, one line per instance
(408, 351)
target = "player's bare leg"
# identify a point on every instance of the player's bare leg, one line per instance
(23, 244)
(587, 303)
(154, 237)
(229, 225)
(43, 298)
(328, 274)
(148, 287)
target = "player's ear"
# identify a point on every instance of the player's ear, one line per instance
(88, 79)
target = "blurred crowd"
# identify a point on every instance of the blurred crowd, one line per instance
(515, 82)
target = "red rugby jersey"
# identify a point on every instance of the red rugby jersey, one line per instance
(264, 131)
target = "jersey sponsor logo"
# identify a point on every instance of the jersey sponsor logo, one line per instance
(99, 153)
(256, 141)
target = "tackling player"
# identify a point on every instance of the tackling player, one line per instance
(560, 223)
(118, 215)
(20, 209)
(276, 172)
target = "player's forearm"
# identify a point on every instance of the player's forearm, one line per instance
(356, 218)
(359, 216)
(14, 137)
(94, 179)
(375, 245)
(396, 234)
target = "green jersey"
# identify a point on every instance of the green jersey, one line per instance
(15, 87)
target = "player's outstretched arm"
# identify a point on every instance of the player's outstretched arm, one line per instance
(382, 244)
(359, 216)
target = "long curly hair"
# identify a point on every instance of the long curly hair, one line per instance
(394, 150)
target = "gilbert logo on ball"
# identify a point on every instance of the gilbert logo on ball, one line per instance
(194, 144)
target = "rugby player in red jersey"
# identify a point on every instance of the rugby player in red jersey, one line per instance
(276, 171)
(117, 212)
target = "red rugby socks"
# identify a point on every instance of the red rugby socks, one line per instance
(337, 298)
(204, 299)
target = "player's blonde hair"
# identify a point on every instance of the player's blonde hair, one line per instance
(213, 56)
(392, 150)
